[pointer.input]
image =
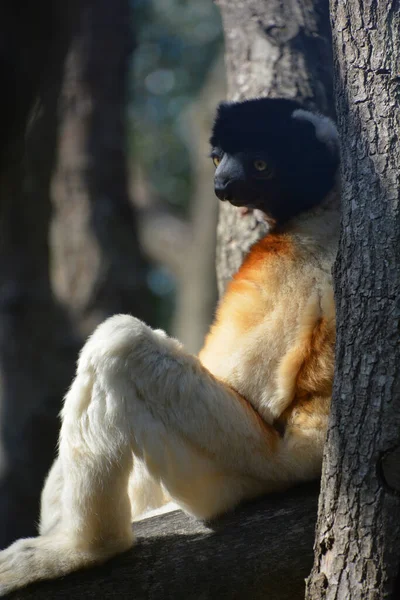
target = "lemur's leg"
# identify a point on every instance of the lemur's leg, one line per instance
(136, 391)
(145, 493)
(50, 504)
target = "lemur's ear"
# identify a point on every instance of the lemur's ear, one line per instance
(325, 129)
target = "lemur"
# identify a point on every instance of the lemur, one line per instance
(245, 418)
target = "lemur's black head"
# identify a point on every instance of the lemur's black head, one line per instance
(272, 155)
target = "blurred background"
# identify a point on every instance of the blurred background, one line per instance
(106, 200)
(174, 78)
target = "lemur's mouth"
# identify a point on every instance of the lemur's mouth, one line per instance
(235, 201)
(247, 207)
(245, 210)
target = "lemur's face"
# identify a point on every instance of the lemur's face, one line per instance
(243, 178)
(271, 155)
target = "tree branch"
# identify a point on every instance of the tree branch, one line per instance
(262, 550)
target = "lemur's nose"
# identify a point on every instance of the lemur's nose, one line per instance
(223, 189)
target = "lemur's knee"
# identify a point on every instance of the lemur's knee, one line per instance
(97, 398)
(50, 503)
(114, 339)
(123, 358)
(122, 338)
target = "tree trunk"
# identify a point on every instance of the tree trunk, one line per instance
(99, 268)
(37, 346)
(357, 550)
(276, 49)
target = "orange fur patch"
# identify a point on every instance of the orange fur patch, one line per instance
(245, 302)
(312, 388)
(268, 248)
(242, 305)
(304, 371)
(315, 375)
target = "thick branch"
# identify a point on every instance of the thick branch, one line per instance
(263, 550)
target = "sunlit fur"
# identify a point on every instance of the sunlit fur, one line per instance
(145, 421)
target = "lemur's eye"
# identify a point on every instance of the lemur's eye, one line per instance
(216, 160)
(260, 165)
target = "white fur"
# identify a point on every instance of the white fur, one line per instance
(138, 396)
(325, 129)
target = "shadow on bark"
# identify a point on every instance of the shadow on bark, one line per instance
(358, 532)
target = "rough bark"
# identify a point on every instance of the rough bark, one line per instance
(251, 553)
(276, 49)
(357, 550)
(98, 265)
(37, 346)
